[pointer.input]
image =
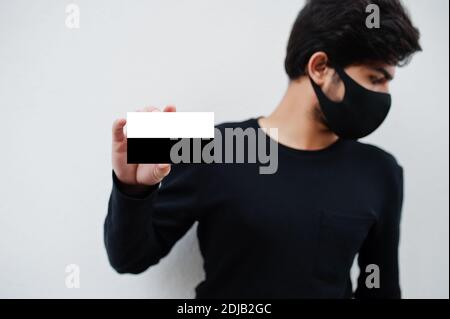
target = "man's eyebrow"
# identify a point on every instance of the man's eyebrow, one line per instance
(386, 74)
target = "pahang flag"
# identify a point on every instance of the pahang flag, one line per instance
(152, 136)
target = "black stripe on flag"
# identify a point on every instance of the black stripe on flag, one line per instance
(157, 150)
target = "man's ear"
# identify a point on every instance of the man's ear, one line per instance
(318, 67)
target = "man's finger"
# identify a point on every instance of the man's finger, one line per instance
(170, 108)
(160, 171)
(117, 130)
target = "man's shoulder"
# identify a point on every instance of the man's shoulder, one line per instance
(250, 123)
(375, 155)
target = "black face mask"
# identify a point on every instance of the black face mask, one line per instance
(359, 114)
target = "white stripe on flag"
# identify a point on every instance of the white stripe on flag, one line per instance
(170, 125)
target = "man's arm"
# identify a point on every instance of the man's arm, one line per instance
(142, 227)
(145, 218)
(381, 246)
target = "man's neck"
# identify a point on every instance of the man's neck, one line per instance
(294, 117)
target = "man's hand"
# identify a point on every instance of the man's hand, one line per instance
(135, 174)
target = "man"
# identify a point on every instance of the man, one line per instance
(293, 234)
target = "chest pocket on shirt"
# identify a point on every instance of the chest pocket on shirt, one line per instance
(339, 240)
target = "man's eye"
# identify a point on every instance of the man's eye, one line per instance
(377, 80)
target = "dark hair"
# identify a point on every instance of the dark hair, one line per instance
(338, 28)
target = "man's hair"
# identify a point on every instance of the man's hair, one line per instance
(338, 28)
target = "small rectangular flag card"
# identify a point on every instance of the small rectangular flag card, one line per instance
(151, 136)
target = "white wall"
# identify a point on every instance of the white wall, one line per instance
(60, 90)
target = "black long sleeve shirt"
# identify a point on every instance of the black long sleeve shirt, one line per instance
(293, 234)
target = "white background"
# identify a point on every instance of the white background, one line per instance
(60, 90)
